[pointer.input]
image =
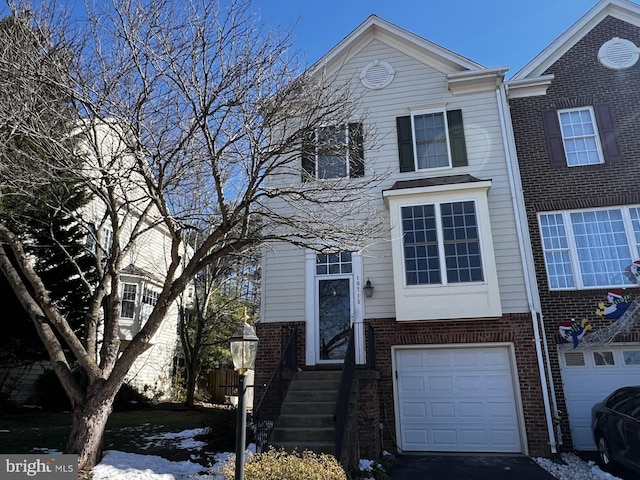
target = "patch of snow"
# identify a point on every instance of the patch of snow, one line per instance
(575, 469)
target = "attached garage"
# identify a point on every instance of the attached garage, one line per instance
(457, 399)
(589, 375)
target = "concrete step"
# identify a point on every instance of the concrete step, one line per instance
(298, 395)
(308, 421)
(306, 418)
(307, 408)
(303, 435)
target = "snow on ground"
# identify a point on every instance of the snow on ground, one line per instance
(117, 465)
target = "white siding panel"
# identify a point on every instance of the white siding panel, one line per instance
(415, 84)
(283, 283)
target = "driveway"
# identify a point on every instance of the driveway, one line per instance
(464, 467)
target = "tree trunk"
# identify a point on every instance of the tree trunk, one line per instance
(192, 377)
(87, 430)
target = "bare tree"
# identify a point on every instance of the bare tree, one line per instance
(224, 294)
(190, 117)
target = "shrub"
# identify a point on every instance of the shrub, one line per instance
(278, 465)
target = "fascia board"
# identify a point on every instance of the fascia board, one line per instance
(403, 40)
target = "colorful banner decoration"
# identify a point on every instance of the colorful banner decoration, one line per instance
(573, 331)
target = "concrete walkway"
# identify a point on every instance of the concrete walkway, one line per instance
(465, 467)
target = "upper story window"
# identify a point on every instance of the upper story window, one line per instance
(580, 137)
(333, 152)
(429, 140)
(441, 243)
(590, 248)
(128, 303)
(149, 297)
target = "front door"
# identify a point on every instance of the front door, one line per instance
(334, 317)
(333, 305)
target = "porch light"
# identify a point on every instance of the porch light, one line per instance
(244, 347)
(368, 289)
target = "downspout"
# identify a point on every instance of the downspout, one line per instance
(507, 135)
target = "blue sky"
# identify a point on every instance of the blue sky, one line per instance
(490, 32)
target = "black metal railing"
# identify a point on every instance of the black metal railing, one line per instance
(371, 347)
(268, 409)
(341, 412)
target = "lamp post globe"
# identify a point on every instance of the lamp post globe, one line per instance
(244, 347)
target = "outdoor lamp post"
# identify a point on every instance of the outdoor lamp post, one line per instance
(244, 346)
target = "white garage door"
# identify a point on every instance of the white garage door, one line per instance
(589, 375)
(456, 400)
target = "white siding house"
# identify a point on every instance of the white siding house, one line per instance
(448, 280)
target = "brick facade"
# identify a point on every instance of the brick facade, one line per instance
(375, 396)
(578, 77)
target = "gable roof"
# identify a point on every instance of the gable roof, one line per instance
(622, 9)
(375, 27)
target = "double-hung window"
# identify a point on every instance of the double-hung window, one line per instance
(128, 302)
(431, 140)
(590, 248)
(580, 136)
(333, 151)
(441, 243)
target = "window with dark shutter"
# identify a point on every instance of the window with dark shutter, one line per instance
(325, 152)
(457, 142)
(430, 141)
(308, 155)
(553, 135)
(608, 133)
(405, 144)
(356, 150)
(572, 137)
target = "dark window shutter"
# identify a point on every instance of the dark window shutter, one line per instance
(553, 134)
(356, 150)
(608, 134)
(308, 155)
(457, 142)
(405, 144)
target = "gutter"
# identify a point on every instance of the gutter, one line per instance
(520, 217)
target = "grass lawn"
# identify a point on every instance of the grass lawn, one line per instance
(127, 431)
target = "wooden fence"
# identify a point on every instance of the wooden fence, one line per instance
(222, 387)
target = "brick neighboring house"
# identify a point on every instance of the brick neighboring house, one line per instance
(574, 111)
(458, 357)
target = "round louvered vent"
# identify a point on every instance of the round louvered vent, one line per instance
(377, 74)
(618, 53)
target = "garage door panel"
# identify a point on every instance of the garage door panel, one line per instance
(442, 410)
(413, 384)
(469, 407)
(586, 382)
(414, 410)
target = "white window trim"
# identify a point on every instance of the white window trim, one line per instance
(135, 300)
(596, 135)
(456, 300)
(430, 111)
(346, 152)
(634, 248)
